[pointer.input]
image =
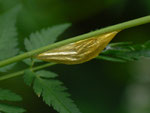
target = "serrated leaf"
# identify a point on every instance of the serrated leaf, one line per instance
(46, 74)
(11, 109)
(9, 96)
(8, 35)
(28, 77)
(44, 37)
(53, 93)
(127, 52)
(37, 87)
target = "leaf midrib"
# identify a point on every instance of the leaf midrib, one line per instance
(54, 95)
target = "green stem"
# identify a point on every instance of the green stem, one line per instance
(121, 26)
(22, 71)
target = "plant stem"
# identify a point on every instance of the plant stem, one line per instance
(15, 74)
(4, 77)
(121, 26)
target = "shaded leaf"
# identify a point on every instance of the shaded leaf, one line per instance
(46, 74)
(53, 93)
(9, 96)
(102, 57)
(8, 36)
(126, 52)
(10, 109)
(27, 61)
(28, 77)
(44, 37)
(6, 68)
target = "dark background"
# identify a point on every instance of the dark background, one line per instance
(96, 86)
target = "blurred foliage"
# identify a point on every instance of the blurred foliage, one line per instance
(8, 32)
(102, 88)
(125, 51)
(7, 95)
(138, 92)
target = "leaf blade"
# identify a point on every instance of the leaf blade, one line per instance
(8, 35)
(126, 51)
(8, 95)
(28, 77)
(11, 109)
(53, 93)
(44, 37)
(46, 74)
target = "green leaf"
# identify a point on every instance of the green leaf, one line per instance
(28, 77)
(46, 74)
(44, 37)
(8, 35)
(27, 61)
(8, 4)
(8, 67)
(10, 109)
(121, 44)
(9, 96)
(102, 57)
(53, 92)
(126, 51)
